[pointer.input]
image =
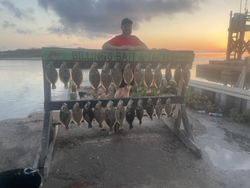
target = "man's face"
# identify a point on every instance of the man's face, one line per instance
(126, 29)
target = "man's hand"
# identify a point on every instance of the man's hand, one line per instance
(129, 47)
(122, 47)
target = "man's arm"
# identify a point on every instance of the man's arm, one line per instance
(107, 46)
(141, 47)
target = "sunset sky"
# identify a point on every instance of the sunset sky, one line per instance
(199, 25)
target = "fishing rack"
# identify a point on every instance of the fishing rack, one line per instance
(85, 58)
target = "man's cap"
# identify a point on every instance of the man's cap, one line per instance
(126, 20)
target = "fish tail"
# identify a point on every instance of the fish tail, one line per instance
(79, 125)
(138, 88)
(53, 86)
(128, 86)
(100, 126)
(107, 92)
(90, 126)
(140, 122)
(67, 128)
(158, 90)
(96, 91)
(111, 131)
(151, 118)
(66, 86)
(148, 90)
(121, 126)
(131, 126)
(78, 88)
(159, 119)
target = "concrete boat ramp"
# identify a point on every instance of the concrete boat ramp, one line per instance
(150, 155)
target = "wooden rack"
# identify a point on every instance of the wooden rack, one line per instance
(85, 58)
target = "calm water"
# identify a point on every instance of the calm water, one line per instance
(21, 85)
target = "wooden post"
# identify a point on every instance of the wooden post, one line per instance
(229, 39)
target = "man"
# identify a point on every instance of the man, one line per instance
(125, 41)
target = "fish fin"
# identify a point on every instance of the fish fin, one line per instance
(96, 91)
(78, 88)
(138, 88)
(100, 126)
(128, 86)
(131, 126)
(107, 92)
(66, 86)
(158, 90)
(148, 90)
(90, 126)
(53, 86)
(79, 125)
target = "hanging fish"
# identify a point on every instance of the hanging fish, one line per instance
(99, 114)
(94, 77)
(64, 75)
(120, 113)
(77, 76)
(168, 75)
(117, 75)
(138, 76)
(158, 109)
(88, 114)
(150, 109)
(110, 117)
(65, 116)
(51, 74)
(139, 111)
(128, 75)
(168, 107)
(186, 74)
(106, 78)
(148, 78)
(158, 78)
(130, 113)
(177, 75)
(77, 114)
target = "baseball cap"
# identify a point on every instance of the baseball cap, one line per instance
(126, 20)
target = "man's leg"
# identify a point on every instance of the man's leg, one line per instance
(126, 92)
(119, 93)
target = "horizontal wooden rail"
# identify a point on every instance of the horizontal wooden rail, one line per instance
(56, 105)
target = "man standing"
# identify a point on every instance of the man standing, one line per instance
(125, 41)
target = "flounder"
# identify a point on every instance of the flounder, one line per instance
(168, 75)
(120, 113)
(51, 74)
(65, 116)
(158, 109)
(158, 78)
(150, 109)
(138, 76)
(110, 117)
(77, 114)
(94, 77)
(88, 114)
(77, 76)
(148, 78)
(128, 75)
(177, 75)
(130, 113)
(99, 114)
(64, 75)
(168, 107)
(139, 111)
(117, 75)
(106, 78)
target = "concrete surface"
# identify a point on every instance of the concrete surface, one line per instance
(148, 156)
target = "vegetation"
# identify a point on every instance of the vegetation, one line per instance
(21, 53)
(235, 115)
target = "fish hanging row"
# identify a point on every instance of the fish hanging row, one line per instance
(111, 115)
(105, 78)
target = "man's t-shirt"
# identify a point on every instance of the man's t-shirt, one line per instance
(120, 40)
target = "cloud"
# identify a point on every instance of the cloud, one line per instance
(25, 32)
(21, 14)
(97, 18)
(6, 24)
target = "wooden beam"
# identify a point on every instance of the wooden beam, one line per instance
(188, 142)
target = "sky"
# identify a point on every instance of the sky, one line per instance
(198, 25)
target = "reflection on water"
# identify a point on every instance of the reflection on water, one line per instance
(228, 160)
(21, 83)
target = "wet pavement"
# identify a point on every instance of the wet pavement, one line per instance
(147, 156)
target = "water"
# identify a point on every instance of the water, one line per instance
(21, 83)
